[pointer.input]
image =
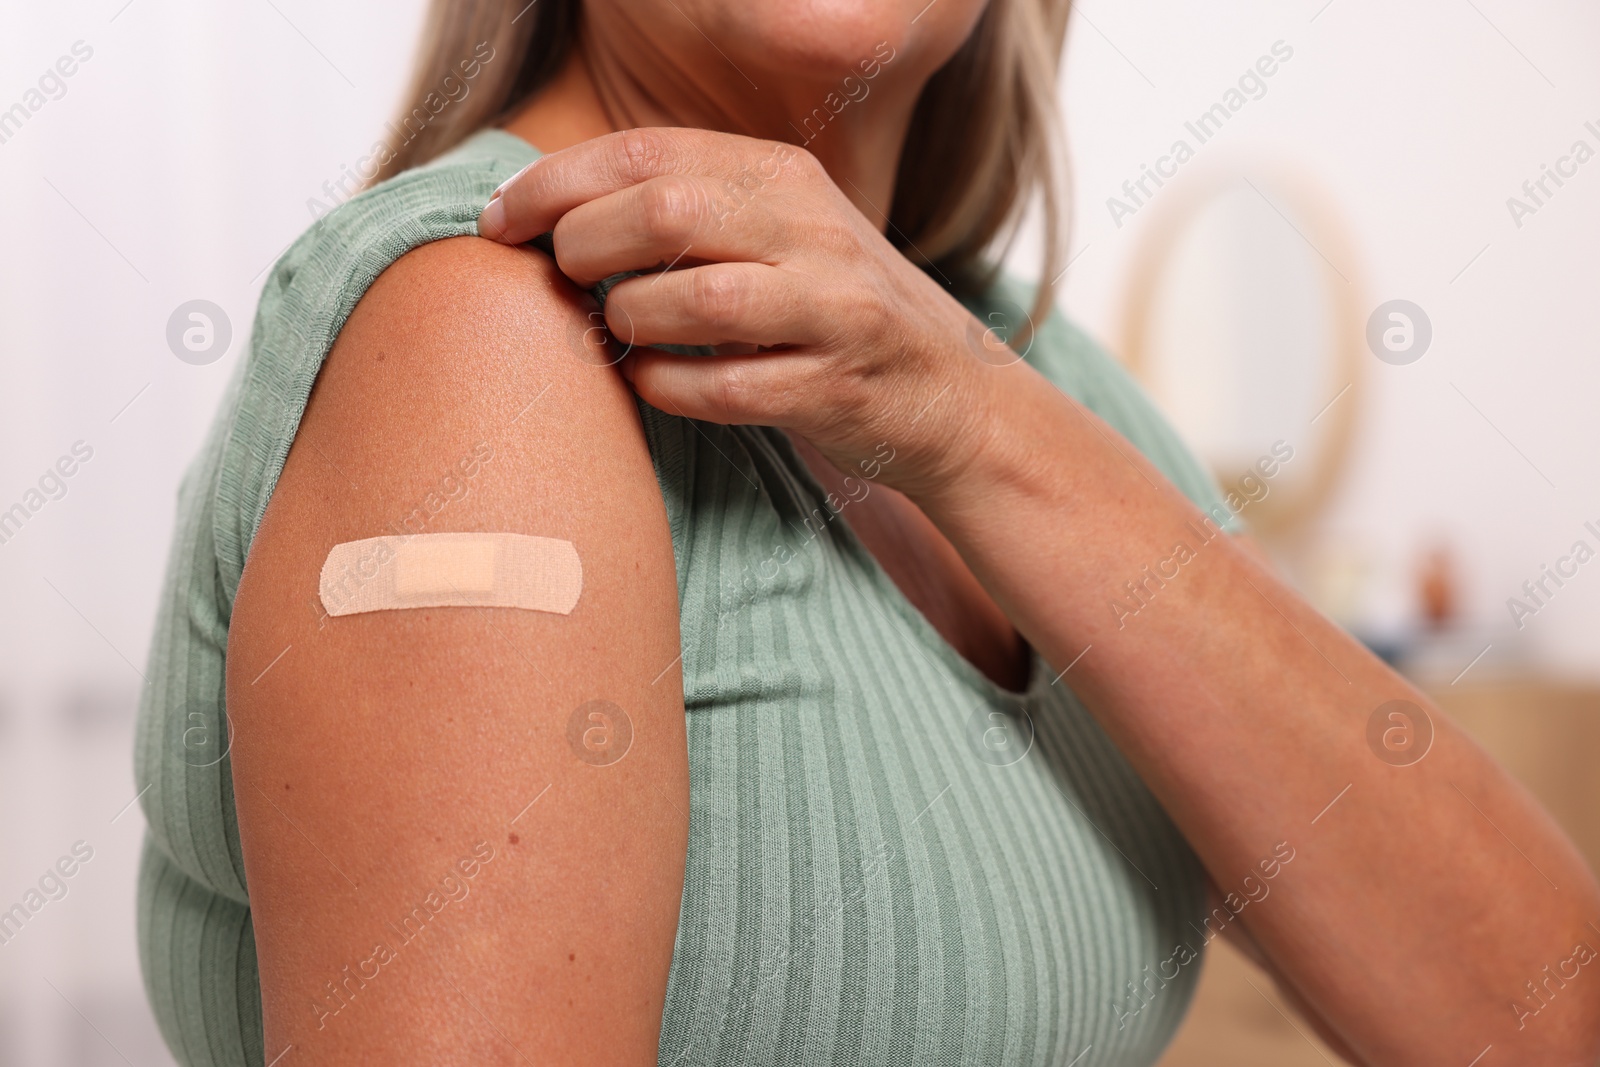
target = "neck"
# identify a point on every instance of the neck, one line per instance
(856, 129)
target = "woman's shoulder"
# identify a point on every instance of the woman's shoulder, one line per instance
(1079, 366)
(422, 343)
(319, 278)
(310, 294)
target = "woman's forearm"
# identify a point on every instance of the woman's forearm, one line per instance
(1421, 897)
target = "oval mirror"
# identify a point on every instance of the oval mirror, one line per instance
(1243, 322)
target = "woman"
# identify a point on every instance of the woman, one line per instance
(913, 694)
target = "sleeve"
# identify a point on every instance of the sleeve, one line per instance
(196, 949)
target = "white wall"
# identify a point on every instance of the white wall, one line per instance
(1420, 119)
(178, 165)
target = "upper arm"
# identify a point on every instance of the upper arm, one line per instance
(408, 902)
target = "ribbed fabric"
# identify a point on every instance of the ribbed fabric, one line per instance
(863, 886)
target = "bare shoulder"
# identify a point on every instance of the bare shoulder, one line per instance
(466, 354)
(415, 804)
(496, 326)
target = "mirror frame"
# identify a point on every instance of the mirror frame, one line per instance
(1283, 514)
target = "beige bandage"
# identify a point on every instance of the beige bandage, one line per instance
(446, 570)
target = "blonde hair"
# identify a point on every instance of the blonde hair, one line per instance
(984, 137)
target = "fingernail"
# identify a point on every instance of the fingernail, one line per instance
(492, 221)
(506, 184)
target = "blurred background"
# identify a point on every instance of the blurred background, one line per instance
(1373, 251)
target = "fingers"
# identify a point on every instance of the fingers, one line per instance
(720, 303)
(532, 202)
(664, 222)
(761, 390)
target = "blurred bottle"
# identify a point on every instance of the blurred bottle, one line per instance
(1438, 589)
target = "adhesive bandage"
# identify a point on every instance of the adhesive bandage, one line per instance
(446, 570)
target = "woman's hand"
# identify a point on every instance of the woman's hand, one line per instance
(1242, 707)
(826, 328)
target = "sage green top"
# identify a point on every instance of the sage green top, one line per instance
(891, 859)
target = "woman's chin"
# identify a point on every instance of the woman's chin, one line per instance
(835, 36)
